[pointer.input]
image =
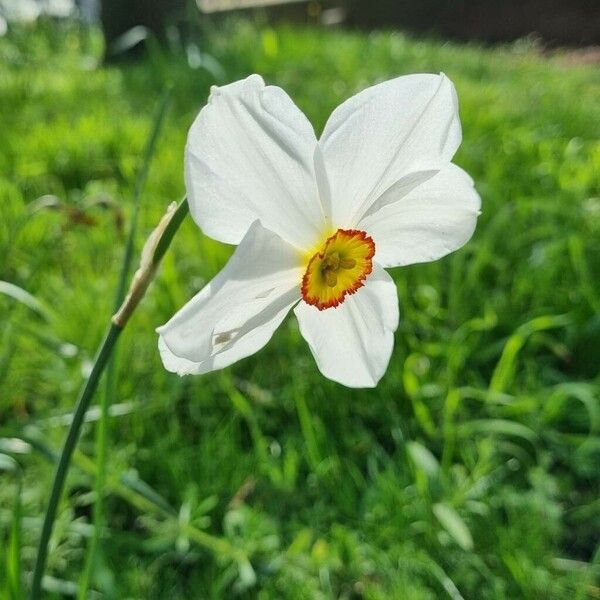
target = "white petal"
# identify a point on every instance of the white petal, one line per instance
(401, 188)
(352, 343)
(434, 219)
(236, 314)
(249, 156)
(323, 187)
(385, 132)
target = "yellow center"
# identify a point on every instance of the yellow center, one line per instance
(338, 268)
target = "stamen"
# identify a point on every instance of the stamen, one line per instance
(330, 277)
(347, 263)
(333, 261)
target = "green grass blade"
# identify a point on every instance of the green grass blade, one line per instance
(14, 570)
(12, 578)
(110, 379)
(308, 430)
(496, 427)
(150, 150)
(505, 369)
(20, 295)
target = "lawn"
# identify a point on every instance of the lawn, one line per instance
(471, 471)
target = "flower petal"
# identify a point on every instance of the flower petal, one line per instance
(236, 314)
(249, 156)
(352, 343)
(385, 132)
(434, 219)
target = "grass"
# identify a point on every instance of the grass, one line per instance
(471, 471)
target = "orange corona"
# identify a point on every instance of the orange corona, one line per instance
(339, 268)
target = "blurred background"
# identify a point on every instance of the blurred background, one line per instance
(471, 471)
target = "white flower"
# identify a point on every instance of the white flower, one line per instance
(317, 221)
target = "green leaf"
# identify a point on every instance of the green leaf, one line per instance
(499, 426)
(423, 459)
(20, 295)
(452, 522)
(14, 571)
(505, 368)
(8, 463)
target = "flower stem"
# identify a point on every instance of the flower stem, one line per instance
(67, 451)
(102, 430)
(155, 247)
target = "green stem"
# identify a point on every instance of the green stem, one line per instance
(110, 378)
(165, 232)
(67, 451)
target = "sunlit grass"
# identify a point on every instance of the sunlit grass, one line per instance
(471, 469)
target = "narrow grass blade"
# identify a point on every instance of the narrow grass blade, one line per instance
(20, 295)
(308, 431)
(14, 572)
(505, 369)
(110, 383)
(496, 426)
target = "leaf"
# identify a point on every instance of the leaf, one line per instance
(14, 446)
(20, 295)
(564, 393)
(505, 368)
(246, 576)
(14, 570)
(452, 522)
(499, 426)
(423, 459)
(133, 482)
(8, 463)
(423, 563)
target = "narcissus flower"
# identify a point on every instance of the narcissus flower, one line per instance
(317, 221)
